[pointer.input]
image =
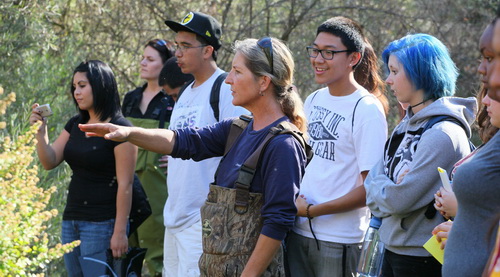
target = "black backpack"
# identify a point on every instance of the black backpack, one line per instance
(214, 93)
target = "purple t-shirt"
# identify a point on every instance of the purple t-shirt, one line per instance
(277, 177)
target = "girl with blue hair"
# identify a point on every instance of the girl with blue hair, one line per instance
(400, 187)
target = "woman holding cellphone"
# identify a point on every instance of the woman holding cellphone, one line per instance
(99, 193)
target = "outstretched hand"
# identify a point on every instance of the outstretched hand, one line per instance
(107, 130)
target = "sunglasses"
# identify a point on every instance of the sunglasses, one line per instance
(266, 45)
(162, 46)
(161, 42)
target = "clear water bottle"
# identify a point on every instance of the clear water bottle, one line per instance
(372, 253)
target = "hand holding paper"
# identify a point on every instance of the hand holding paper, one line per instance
(435, 245)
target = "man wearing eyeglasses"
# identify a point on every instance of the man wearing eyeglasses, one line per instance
(197, 41)
(347, 131)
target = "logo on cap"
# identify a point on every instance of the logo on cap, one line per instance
(207, 33)
(187, 18)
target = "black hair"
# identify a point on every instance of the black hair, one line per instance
(367, 69)
(165, 48)
(104, 90)
(203, 41)
(171, 74)
(347, 31)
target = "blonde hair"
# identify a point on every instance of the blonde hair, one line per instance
(282, 76)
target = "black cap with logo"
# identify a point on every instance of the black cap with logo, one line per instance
(201, 24)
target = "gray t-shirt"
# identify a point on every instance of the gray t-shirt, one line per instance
(476, 184)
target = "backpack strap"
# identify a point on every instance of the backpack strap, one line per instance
(354, 111)
(165, 113)
(314, 96)
(247, 170)
(290, 128)
(246, 175)
(215, 94)
(439, 118)
(183, 88)
(430, 212)
(237, 127)
(435, 119)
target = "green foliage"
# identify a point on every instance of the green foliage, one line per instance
(37, 63)
(25, 249)
(41, 41)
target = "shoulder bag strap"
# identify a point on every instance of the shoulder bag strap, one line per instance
(247, 170)
(237, 128)
(183, 88)
(215, 94)
(354, 111)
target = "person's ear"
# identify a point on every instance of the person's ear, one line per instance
(264, 82)
(355, 59)
(207, 51)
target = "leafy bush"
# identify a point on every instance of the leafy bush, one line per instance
(24, 245)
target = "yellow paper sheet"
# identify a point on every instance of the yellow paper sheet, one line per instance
(434, 247)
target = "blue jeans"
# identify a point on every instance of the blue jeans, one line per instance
(395, 265)
(95, 237)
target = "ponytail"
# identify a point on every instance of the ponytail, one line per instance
(367, 75)
(293, 108)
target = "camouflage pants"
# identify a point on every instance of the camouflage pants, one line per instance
(229, 237)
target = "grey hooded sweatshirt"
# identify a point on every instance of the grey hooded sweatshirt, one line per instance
(401, 186)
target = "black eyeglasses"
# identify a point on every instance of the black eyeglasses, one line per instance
(183, 48)
(266, 45)
(326, 54)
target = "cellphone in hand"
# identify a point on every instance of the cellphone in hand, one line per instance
(44, 110)
(444, 179)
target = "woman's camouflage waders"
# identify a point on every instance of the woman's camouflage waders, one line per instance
(230, 237)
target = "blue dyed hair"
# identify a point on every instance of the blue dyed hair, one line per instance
(426, 62)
